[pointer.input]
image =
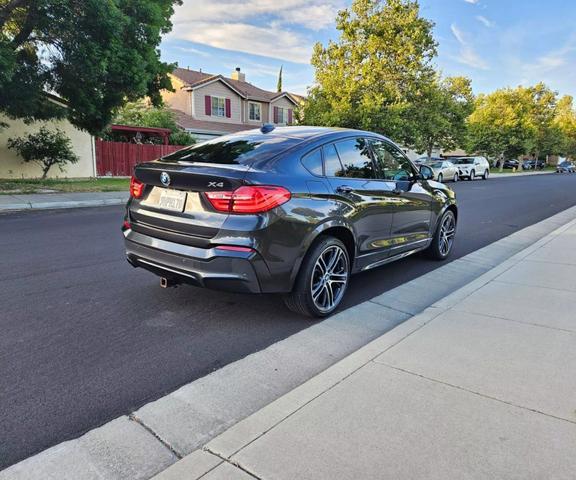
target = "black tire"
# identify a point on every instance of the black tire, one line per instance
(472, 175)
(301, 299)
(485, 176)
(436, 250)
(440, 177)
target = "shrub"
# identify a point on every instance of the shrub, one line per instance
(46, 148)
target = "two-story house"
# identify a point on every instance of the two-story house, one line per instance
(211, 105)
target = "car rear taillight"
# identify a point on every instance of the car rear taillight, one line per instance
(136, 187)
(249, 199)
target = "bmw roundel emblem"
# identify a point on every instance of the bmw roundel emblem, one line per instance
(165, 179)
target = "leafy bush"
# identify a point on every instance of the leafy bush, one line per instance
(45, 148)
(139, 114)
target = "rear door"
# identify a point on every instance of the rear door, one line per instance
(369, 201)
(411, 224)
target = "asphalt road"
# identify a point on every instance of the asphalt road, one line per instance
(85, 338)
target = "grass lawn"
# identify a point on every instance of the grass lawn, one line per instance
(13, 187)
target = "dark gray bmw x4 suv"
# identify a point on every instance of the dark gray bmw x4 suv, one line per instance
(292, 210)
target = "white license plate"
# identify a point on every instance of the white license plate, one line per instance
(173, 200)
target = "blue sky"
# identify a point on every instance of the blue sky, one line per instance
(494, 42)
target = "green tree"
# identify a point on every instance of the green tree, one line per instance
(547, 138)
(501, 124)
(565, 122)
(369, 78)
(96, 54)
(438, 115)
(45, 148)
(141, 115)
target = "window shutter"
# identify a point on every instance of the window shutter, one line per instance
(275, 114)
(289, 116)
(228, 108)
(208, 105)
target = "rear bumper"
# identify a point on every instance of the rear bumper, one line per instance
(243, 272)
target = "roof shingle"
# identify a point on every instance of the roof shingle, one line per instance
(193, 77)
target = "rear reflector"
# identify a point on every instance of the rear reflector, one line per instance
(126, 225)
(234, 248)
(249, 199)
(136, 187)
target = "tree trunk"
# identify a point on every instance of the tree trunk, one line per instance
(429, 152)
(45, 169)
(501, 163)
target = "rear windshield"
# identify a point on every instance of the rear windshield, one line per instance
(434, 164)
(234, 149)
(463, 161)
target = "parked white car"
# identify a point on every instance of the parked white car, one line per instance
(443, 169)
(472, 167)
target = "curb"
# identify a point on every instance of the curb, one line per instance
(15, 207)
(219, 451)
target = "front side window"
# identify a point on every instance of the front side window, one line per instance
(218, 107)
(392, 162)
(355, 157)
(254, 111)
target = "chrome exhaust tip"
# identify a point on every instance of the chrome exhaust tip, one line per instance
(167, 283)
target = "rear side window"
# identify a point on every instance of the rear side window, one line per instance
(313, 162)
(332, 163)
(355, 157)
(234, 149)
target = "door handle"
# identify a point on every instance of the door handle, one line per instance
(344, 189)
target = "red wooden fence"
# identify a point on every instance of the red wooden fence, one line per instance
(119, 159)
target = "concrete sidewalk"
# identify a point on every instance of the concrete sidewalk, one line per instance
(61, 200)
(481, 385)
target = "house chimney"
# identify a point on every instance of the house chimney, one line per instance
(238, 75)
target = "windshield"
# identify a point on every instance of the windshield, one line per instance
(464, 161)
(234, 149)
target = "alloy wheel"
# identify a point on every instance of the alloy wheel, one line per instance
(455, 177)
(447, 233)
(329, 278)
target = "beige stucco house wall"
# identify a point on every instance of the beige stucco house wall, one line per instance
(179, 99)
(11, 165)
(216, 89)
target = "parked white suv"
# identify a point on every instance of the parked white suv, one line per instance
(472, 167)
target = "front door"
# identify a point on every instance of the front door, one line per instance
(411, 225)
(351, 171)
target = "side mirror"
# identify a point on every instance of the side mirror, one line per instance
(426, 173)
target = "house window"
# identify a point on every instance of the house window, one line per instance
(282, 115)
(218, 107)
(254, 111)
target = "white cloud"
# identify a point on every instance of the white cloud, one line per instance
(485, 21)
(473, 2)
(467, 55)
(195, 51)
(243, 37)
(262, 27)
(554, 59)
